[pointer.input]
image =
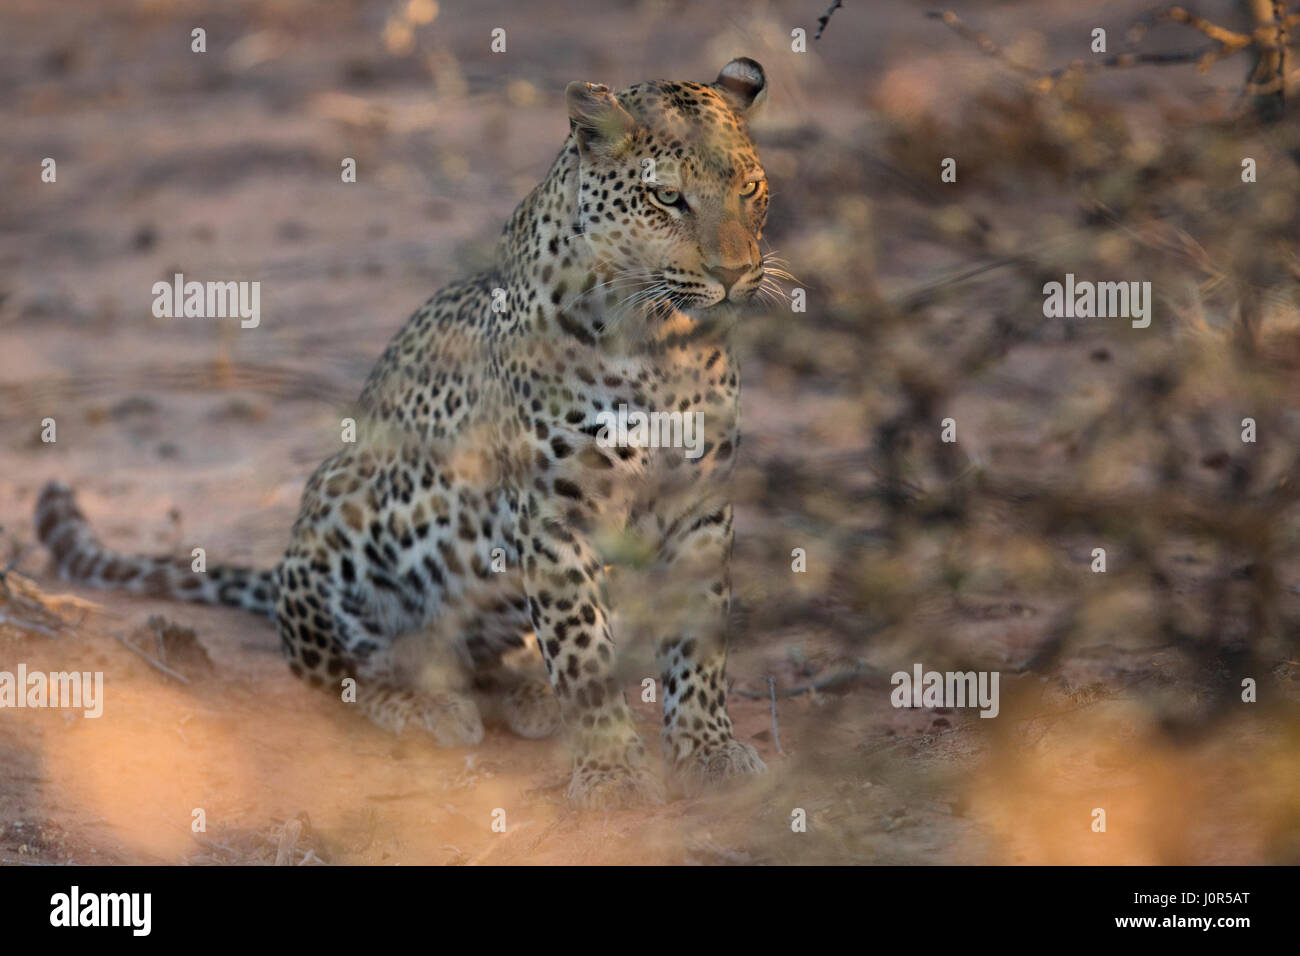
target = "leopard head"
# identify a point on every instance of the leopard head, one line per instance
(671, 196)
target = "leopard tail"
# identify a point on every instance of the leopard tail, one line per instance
(79, 557)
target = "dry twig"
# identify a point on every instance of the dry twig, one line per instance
(1270, 40)
(825, 18)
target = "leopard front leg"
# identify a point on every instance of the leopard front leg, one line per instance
(564, 579)
(698, 743)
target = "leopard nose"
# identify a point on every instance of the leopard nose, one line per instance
(728, 277)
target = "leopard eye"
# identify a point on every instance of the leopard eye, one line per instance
(669, 198)
(749, 189)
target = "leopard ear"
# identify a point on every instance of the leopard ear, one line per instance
(743, 84)
(598, 122)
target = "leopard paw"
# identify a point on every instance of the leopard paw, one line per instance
(531, 710)
(453, 719)
(715, 764)
(602, 787)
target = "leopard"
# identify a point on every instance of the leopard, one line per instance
(486, 504)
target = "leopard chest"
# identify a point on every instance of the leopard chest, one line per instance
(613, 435)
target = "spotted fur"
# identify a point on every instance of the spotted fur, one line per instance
(478, 503)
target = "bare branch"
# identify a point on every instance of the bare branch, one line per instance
(982, 40)
(825, 18)
(162, 667)
(1270, 40)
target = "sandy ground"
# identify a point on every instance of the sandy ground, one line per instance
(185, 433)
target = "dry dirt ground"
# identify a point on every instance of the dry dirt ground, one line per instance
(185, 433)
